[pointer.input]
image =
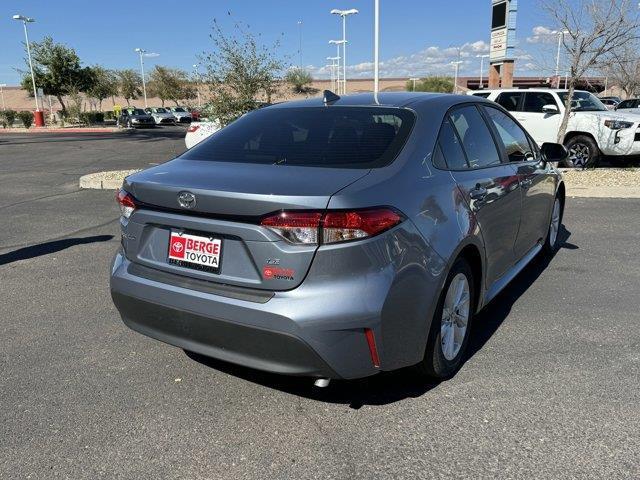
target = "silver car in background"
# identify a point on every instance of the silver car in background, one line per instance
(337, 237)
(181, 114)
(161, 115)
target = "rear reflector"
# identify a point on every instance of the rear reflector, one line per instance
(312, 228)
(126, 202)
(373, 350)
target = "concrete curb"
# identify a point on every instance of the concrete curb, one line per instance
(36, 130)
(111, 180)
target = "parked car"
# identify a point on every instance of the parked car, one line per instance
(337, 238)
(609, 103)
(592, 131)
(132, 117)
(161, 115)
(198, 131)
(612, 97)
(181, 114)
(631, 105)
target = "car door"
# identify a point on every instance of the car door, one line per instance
(537, 185)
(488, 184)
(543, 127)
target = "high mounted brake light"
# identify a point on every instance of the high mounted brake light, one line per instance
(126, 202)
(313, 228)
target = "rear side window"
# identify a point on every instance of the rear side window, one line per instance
(534, 101)
(476, 138)
(509, 100)
(449, 152)
(482, 94)
(514, 140)
(342, 137)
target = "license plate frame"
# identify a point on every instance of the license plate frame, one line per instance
(199, 236)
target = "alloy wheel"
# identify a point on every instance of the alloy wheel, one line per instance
(555, 223)
(455, 316)
(579, 153)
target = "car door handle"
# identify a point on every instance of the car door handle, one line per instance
(478, 193)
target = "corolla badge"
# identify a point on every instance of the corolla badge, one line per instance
(186, 199)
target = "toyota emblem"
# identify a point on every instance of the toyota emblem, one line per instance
(186, 199)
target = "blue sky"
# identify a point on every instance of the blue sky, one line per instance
(417, 36)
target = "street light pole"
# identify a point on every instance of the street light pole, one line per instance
(334, 64)
(337, 43)
(482, 57)
(561, 35)
(376, 50)
(141, 52)
(414, 80)
(199, 81)
(24, 21)
(2, 94)
(300, 42)
(455, 78)
(344, 14)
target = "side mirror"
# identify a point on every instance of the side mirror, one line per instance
(550, 109)
(554, 152)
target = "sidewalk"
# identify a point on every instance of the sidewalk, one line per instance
(36, 130)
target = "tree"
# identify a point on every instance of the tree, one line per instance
(594, 30)
(129, 84)
(623, 69)
(299, 79)
(169, 84)
(240, 70)
(104, 85)
(431, 84)
(57, 70)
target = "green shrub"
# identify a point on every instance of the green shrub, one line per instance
(26, 118)
(432, 84)
(91, 118)
(8, 117)
(299, 79)
(109, 115)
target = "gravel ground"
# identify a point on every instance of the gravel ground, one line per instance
(602, 177)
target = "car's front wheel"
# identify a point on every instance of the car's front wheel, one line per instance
(551, 244)
(583, 151)
(449, 332)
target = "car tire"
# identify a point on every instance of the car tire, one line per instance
(129, 124)
(441, 361)
(551, 243)
(583, 151)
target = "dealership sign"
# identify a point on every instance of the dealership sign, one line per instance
(503, 30)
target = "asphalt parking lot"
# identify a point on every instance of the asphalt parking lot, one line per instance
(551, 388)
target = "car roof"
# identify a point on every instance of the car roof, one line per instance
(387, 99)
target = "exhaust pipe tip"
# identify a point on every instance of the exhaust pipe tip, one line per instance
(322, 382)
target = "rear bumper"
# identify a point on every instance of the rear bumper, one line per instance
(388, 284)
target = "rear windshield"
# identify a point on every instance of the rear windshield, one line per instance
(343, 137)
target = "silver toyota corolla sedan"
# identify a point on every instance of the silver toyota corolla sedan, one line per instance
(337, 237)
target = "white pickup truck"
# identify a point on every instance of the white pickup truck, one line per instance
(593, 130)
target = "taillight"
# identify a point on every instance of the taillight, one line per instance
(193, 128)
(313, 228)
(127, 203)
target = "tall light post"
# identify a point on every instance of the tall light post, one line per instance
(337, 43)
(25, 20)
(300, 43)
(482, 57)
(198, 82)
(561, 35)
(141, 52)
(414, 80)
(2, 85)
(376, 50)
(455, 77)
(335, 62)
(344, 14)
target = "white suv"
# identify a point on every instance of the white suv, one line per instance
(593, 130)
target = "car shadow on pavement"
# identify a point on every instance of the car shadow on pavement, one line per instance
(47, 248)
(390, 387)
